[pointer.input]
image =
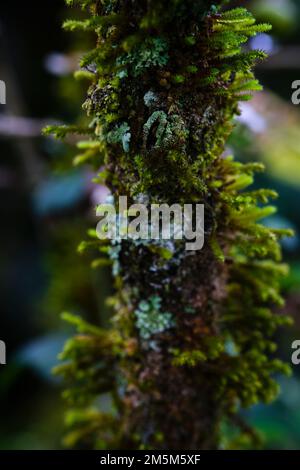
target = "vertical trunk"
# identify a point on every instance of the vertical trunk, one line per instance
(187, 346)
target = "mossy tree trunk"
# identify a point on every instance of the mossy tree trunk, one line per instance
(190, 340)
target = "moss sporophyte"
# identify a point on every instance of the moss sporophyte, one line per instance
(191, 336)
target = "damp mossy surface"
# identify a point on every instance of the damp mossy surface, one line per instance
(190, 342)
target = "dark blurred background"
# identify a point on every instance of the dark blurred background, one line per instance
(47, 206)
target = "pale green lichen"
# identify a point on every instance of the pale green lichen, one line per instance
(152, 52)
(150, 320)
(169, 130)
(150, 99)
(120, 134)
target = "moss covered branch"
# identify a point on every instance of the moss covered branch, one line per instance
(191, 341)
